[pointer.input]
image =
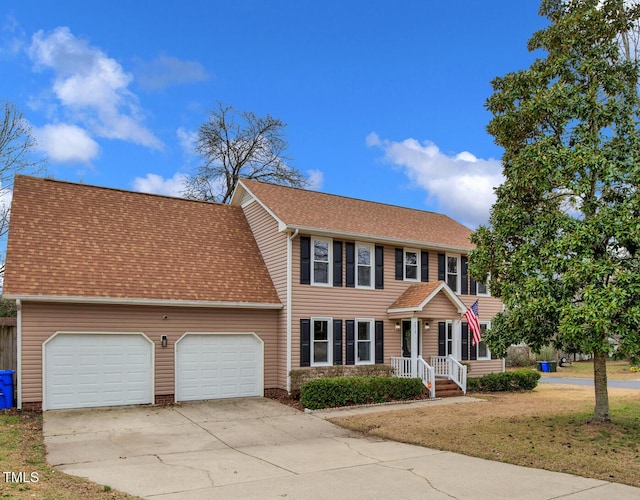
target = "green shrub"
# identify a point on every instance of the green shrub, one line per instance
(345, 391)
(517, 380)
(299, 377)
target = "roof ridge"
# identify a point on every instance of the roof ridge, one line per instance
(120, 190)
(351, 198)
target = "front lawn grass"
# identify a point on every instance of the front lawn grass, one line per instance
(547, 428)
(22, 451)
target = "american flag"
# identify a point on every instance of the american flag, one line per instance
(472, 318)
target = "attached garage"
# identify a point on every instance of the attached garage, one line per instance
(97, 369)
(219, 365)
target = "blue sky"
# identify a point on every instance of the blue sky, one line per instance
(383, 100)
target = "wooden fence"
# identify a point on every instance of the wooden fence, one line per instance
(8, 344)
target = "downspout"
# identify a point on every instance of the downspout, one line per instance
(19, 353)
(289, 294)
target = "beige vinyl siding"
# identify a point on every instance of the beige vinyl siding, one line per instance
(273, 247)
(41, 320)
(349, 303)
(480, 368)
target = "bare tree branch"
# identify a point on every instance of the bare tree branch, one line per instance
(17, 146)
(239, 144)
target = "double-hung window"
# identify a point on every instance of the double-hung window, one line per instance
(482, 351)
(411, 265)
(364, 341)
(321, 256)
(482, 288)
(364, 263)
(321, 340)
(453, 272)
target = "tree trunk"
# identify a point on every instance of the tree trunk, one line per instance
(601, 412)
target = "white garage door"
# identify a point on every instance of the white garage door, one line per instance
(214, 366)
(90, 369)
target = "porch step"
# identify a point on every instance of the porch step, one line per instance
(446, 388)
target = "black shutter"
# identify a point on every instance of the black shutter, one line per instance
(442, 262)
(424, 266)
(305, 260)
(379, 267)
(465, 341)
(399, 264)
(351, 264)
(473, 350)
(350, 347)
(473, 286)
(305, 342)
(379, 342)
(464, 280)
(337, 263)
(337, 341)
(442, 338)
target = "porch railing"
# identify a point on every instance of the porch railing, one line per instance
(448, 366)
(402, 368)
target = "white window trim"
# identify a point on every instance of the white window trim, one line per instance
(458, 274)
(329, 361)
(486, 284)
(330, 262)
(404, 264)
(371, 341)
(450, 325)
(372, 265)
(488, 356)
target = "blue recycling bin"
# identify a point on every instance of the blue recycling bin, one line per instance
(6, 389)
(545, 366)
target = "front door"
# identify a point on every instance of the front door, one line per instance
(406, 339)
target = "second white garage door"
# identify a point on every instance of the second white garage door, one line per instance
(214, 366)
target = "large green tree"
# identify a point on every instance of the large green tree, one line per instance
(561, 247)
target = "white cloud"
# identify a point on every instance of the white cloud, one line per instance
(12, 38)
(92, 87)
(166, 71)
(65, 143)
(156, 184)
(461, 185)
(188, 140)
(315, 179)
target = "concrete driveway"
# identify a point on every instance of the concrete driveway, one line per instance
(258, 448)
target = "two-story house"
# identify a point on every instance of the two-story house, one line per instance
(131, 298)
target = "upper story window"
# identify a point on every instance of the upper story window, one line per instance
(364, 255)
(411, 265)
(321, 257)
(453, 272)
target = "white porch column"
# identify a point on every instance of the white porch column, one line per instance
(414, 347)
(457, 339)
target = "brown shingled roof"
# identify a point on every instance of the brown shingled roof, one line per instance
(418, 295)
(300, 208)
(73, 240)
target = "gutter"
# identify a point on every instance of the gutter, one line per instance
(374, 239)
(19, 354)
(289, 295)
(145, 302)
